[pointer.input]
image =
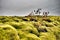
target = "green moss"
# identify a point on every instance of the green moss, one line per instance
(8, 33)
(14, 28)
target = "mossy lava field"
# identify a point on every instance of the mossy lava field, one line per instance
(29, 28)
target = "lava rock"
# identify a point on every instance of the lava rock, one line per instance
(48, 20)
(42, 30)
(24, 19)
(33, 20)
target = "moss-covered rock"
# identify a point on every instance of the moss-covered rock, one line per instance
(23, 28)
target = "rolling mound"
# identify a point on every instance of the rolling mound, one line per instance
(29, 28)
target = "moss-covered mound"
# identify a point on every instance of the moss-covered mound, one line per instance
(29, 28)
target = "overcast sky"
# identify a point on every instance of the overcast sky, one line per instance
(24, 7)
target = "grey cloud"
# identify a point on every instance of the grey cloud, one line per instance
(23, 7)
